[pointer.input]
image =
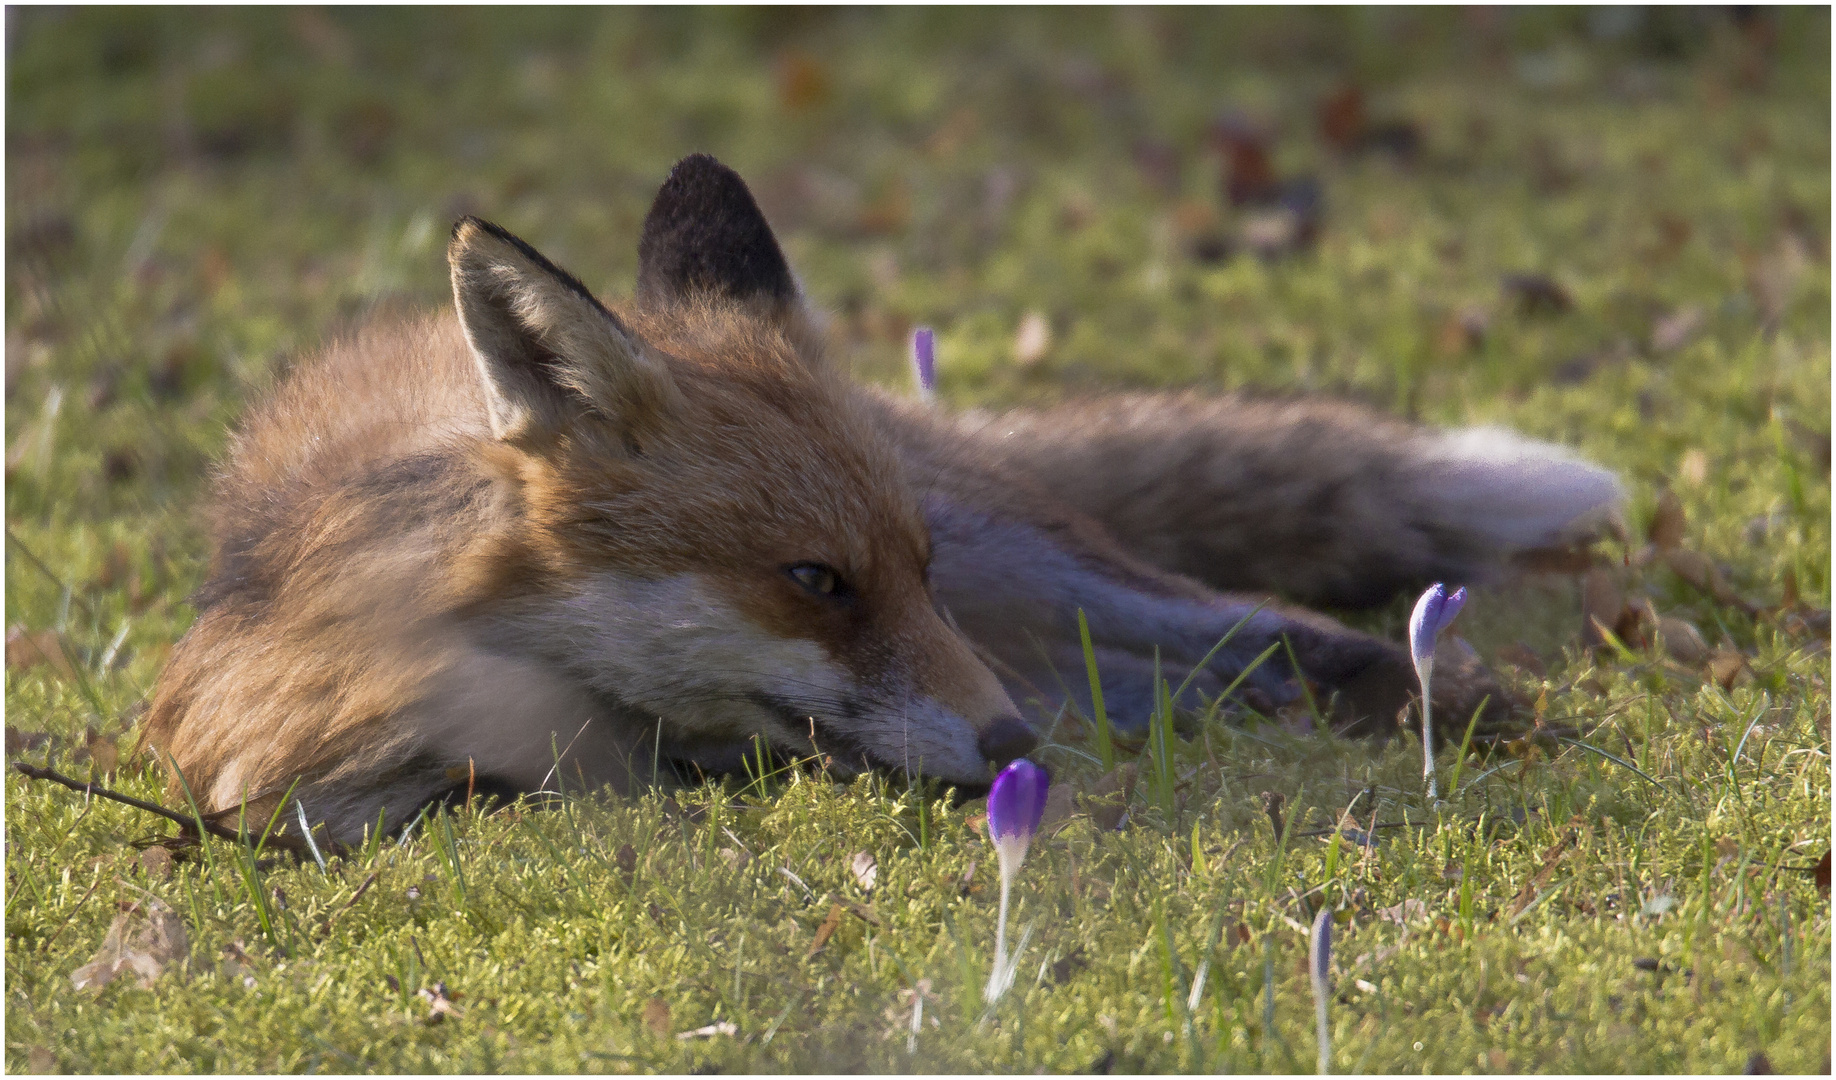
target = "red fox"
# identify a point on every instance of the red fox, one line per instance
(536, 536)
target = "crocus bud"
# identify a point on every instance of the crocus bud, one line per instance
(1433, 612)
(1015, 805)
(924, 360)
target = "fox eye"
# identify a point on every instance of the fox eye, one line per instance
(818, 578)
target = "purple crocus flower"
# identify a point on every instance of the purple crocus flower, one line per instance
(924, 360)
(1433, 613)
(1015, 805)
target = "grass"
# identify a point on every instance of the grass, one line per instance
(194, 196)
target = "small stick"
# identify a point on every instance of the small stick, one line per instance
(188, 825)
(1378, 825)
(65, 925)
(325, 928)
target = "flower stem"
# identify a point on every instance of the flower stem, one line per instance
(1426, 671)
(997, 979)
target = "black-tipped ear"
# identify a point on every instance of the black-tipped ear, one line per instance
(546, 349)
(705, 234)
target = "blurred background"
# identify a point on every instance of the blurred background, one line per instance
(1567, 220)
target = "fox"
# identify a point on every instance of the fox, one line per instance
(535, 538)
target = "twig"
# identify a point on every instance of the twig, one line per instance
(188, 825)
(1379, 825)
(73, 912)
(325, 927)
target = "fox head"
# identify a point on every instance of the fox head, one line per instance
(710, 534)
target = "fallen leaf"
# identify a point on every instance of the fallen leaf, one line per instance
(1521, 655)
(145, 939)
(1668, 523)
(721, 1027)
(1676, 329)
(18, 742)
(1342, 120)
(1552, 857)
(826, 930)
(1602, 602)
(864, 869)
(626, 859)
(1821, 874)
(1682, 640)
(1032, 339)
(26, 650)
(1272, 803)
(1696, 568)
(104, 755)
(156, 863)
(802, 82)
(1107, 800)
(1537, 294)
(237, 964)
(656, 1016)
(1060, 805)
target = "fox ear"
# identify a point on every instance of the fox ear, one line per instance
(704, 234)
(547, 350)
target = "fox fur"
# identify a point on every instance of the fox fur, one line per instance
(533, 540)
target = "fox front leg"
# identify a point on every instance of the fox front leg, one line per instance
(1015, 587)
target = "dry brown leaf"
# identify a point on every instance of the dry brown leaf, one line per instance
(826, 930)
(864, 869)
(1726, 666)
(1521, 655)
(1668, 523)
(104, 755)
(1602, 602)
(656, 1016)
(18, 742)
(626, 859)
(237, 964)
(1682, 640)
(1060, 805)
(1676, 329)
(27, 649)
(1552, 857)
(1696, 568)
(145, 939)
(156, 863)
(1107, 800)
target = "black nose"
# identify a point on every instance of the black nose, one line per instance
(1006, 739)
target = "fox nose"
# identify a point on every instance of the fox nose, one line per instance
(1006, 739)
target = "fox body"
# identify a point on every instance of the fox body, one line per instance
(534, 539)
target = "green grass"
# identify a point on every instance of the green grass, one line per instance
(195, 196)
